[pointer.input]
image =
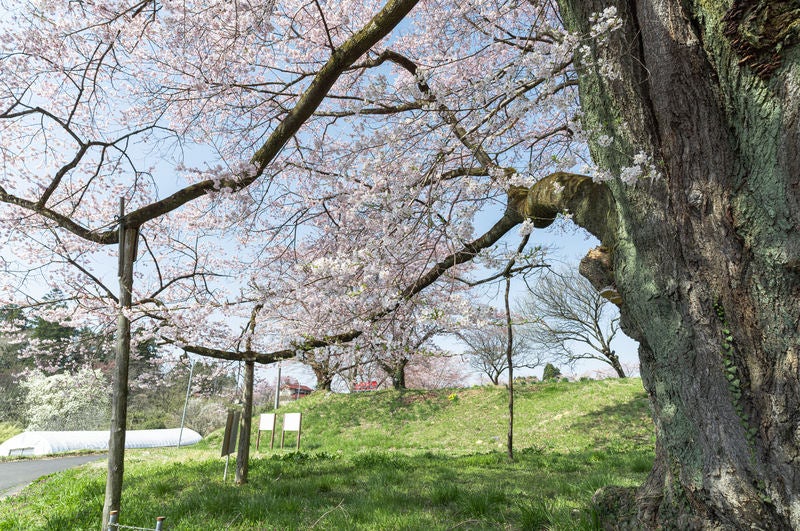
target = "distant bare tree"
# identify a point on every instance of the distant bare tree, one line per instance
(486, 351)
(564, 310)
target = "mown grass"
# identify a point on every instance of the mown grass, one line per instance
(383, 460)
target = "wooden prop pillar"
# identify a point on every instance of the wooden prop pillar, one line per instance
(128, 238)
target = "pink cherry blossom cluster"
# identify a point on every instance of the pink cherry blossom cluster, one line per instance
(255, 244)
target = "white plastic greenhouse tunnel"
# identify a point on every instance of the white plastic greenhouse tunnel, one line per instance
(53, 442)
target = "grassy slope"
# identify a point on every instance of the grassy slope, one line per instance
(384, 460)
(7, 431)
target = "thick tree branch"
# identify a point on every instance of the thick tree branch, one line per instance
(382, 110)
(510, 219)
(353, 48)
(376, 29)
(447, 114)
(589, 202)
(106, 237)
(246, 355)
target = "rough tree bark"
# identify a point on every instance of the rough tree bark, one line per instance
(706, 259)
(324, 380)
(324, 364)
(616, 364)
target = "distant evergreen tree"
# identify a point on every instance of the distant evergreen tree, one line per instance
(551, 372)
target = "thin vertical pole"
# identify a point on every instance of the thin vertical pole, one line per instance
(119, 411)
(278, 388)
(186, 402)
(510, 361)
(243, 455)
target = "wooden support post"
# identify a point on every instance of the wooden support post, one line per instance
(128, 237)
(243, 455)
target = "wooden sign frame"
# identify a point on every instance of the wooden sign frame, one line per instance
(266, 423)
(292, 422)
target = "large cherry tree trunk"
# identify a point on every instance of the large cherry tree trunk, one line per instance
(707, 258)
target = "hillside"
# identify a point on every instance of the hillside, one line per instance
(558, 416)
(384, 460)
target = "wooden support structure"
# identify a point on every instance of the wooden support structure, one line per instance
(128, 238)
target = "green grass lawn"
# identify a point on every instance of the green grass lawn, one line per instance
(383, 460)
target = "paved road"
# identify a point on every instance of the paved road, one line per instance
(14, 475)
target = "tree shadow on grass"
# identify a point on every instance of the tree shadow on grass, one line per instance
(378, 490)
(624, 426)
(372, 490)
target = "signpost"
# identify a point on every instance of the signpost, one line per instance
(267, 423)
(229, 439)
(291, 422)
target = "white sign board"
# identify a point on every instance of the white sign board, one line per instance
(267, 422)
(291, 422)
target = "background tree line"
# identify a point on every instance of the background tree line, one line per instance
(56, 376)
